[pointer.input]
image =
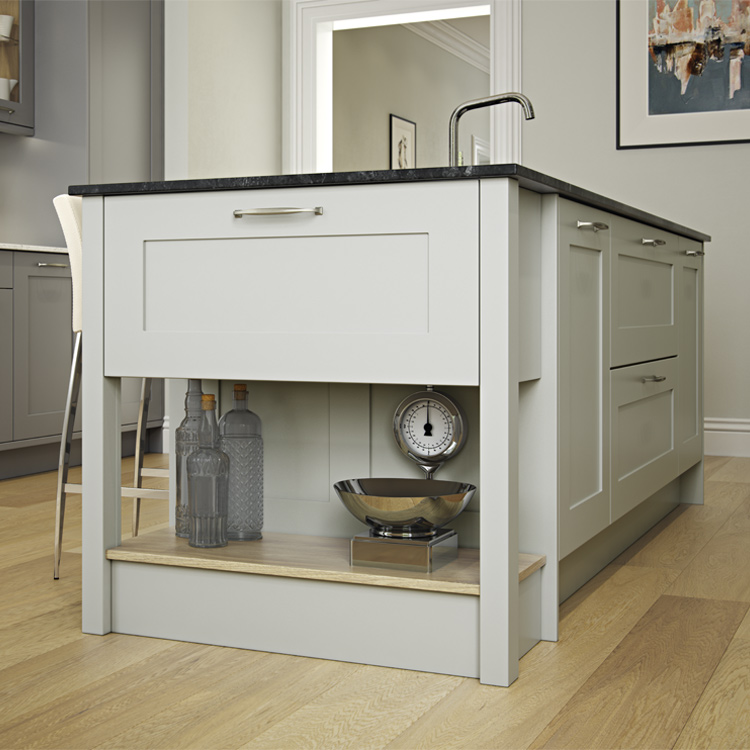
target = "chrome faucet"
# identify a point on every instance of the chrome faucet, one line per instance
(477, 104)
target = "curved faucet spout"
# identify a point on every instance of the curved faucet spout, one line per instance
(487, 101)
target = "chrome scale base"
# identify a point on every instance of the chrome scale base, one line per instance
(422, 555)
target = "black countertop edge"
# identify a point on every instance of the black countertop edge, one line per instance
(527, 178)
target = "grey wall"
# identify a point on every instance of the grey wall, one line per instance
(573, 88)
(34, 170)
(97, 133)
(390, 70)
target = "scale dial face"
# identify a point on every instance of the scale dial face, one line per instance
(429, 427)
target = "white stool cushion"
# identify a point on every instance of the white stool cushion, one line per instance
(70, 211)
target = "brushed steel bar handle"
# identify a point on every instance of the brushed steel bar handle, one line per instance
(695, 253)
(595, 225)
(653, 243)
(8, 110)
(52, 265)
(653, 378)
(276, 211)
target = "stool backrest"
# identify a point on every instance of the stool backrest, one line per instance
(70, 210)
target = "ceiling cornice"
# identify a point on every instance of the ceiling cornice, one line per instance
(454, 41)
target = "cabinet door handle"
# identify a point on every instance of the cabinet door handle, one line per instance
(595, 225)
(653, 378)
(8, 110)
(51, 265)
(695, 253)
(653, 243)
(277, 210)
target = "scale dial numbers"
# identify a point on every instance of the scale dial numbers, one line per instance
(429, 427)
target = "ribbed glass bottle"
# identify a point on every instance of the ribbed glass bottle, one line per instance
(208, 484)
(186, 442)
(240, 438)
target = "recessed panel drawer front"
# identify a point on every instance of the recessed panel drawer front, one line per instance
(643, 305)
(381, 286)
(644, 457)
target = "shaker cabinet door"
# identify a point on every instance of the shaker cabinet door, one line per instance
(690, 396)
(584, 255)
(42, 345)
(6, 365)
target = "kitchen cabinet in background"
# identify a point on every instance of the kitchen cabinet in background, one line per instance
(36, 340)
(17, 65)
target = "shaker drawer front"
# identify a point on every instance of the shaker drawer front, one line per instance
(379, 286)
(644, 458)
(643, 304)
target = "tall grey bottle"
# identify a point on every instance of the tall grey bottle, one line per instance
(186, 442)
(208, 483)
(240, 438)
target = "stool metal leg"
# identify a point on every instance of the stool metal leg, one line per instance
(141, 440)
(69, 418)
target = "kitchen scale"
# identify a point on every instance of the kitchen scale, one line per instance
(407, 516)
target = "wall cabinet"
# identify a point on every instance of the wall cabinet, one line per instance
(630, 371)
(17, 67)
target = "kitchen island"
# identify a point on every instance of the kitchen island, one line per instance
(568, 324)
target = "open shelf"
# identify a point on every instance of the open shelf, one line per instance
(308, 557)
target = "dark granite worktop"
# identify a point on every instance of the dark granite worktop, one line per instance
(527, 178)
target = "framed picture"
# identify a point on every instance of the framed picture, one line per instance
(403, 143)
(683, 77)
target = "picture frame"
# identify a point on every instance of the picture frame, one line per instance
(679, 94)
(403, 143)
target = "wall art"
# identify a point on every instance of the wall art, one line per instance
(683, 72)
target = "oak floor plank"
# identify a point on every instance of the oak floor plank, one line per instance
(643, 693)
(349, 715)
(744, 629)
(680, 536)
(721, 570)
(735, 470)
(713, 723)
(593, 622)
(711, 464)
(237, 708)
(36, 683)
(91, 715)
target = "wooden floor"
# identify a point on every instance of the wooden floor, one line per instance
(654, 652)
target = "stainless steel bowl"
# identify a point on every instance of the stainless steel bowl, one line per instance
(404, 508)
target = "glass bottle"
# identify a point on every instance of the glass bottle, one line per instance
(186, 442)
(208, 483)
(240, 438)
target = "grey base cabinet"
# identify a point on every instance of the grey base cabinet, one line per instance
(36, 340)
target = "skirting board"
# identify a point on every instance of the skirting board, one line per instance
(727, 437)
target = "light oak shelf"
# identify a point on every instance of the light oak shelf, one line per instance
(308, 557)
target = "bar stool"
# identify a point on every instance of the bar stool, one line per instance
(69, 212)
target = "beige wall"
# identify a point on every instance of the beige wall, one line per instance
(390, 70)
(234, 69)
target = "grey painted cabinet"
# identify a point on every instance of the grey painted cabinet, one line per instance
(6, 346)
(42, 343)
(36, 341)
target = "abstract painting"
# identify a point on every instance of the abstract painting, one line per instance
(403, 143)
(683, 72)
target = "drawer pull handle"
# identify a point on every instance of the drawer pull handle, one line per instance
(653, 378)
(7, 109)
(51, 265)
(695, 253)
(276, 211)
(653, 243)
(595, 225)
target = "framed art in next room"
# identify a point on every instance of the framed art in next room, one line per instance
(403, 143)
